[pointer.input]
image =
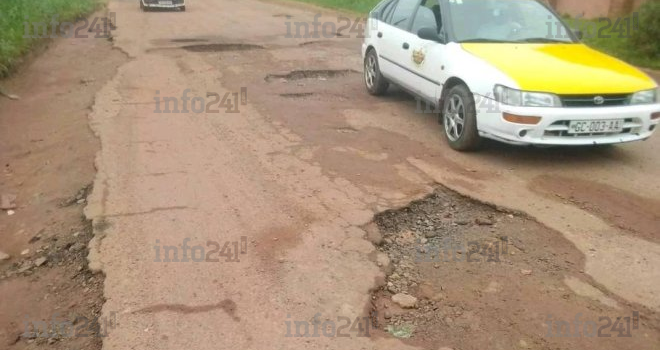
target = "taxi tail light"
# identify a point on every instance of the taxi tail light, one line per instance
(521, 119)
(655, 115)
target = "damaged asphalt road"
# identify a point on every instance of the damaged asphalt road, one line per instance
(337, 192)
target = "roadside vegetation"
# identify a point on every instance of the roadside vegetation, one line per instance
(635, 39)
(647, 38)
(14, 13)
(357, 6)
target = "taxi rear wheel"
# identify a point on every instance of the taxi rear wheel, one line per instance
(373, 79)
(459, 119)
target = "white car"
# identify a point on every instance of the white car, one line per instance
(508, 70)
(147, 5)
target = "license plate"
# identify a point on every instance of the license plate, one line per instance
(165, 2)
(595, 126)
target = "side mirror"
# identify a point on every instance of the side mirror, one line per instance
(578, 33)
(429, 33)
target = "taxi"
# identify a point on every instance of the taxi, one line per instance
(508, 70)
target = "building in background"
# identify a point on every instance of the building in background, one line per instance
(595, 8)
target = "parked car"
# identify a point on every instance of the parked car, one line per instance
(147, 5)
(508, 70)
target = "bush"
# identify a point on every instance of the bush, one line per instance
(647, 35)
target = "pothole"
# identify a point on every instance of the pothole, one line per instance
(460, 273)
(346, 130)
(316, 42)
(186, 40)
(298, 94)
(311, 74)
(307, 43)
(326, 35)
(283, 15)
(221, 47)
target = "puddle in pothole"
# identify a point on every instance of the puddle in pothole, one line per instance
(311, 74)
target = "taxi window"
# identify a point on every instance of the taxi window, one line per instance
(387, 10)
(383, 10)
(428, 16)
(502, 21)
(403, 14)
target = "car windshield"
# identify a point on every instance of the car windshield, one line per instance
(524, 21)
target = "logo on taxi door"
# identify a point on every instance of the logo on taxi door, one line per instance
(418, 56)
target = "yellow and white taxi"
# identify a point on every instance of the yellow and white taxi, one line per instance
(508, 70)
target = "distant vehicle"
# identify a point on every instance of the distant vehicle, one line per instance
(508, 70)
(147, 5)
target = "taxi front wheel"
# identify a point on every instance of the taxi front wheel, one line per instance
(373, 79)
(459, 119)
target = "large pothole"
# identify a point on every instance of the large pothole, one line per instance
(463, 275)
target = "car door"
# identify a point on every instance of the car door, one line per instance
(377, 25)
(394, 42)
(426, 58)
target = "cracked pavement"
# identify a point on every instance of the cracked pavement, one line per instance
(299, 170)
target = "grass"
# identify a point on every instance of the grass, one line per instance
(618, 44)
(13, 14)
(358, 6)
